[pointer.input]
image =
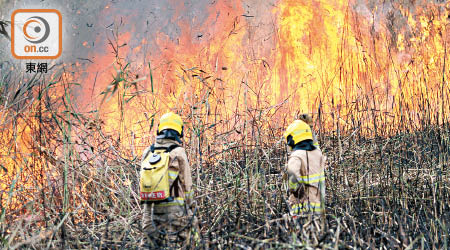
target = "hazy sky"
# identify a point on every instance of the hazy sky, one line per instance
(87, 25)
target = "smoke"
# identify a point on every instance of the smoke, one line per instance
(89, 24)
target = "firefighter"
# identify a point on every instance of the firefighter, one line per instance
(305, 169)
(168, 223)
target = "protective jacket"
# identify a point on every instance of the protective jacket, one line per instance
(306, 182)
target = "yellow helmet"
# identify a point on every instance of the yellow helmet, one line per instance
(299, 130)
(171, 121)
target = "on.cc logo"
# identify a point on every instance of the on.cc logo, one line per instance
(36, 34)
(37, 25)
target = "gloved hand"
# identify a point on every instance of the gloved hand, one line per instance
(192, 204)
(292, 184)
(296, 188)
(300, 192)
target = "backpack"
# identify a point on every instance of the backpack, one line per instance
(154, 176)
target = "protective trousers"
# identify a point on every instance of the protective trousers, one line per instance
(170, 229)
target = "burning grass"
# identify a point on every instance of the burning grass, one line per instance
(387, 191)
(380, 99)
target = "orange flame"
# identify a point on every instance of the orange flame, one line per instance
(351, 63)
(337, 58)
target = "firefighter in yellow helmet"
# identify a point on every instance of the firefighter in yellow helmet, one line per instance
(167, 223)
(305, 168)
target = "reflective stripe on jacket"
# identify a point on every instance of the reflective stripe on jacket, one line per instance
(306, 207)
